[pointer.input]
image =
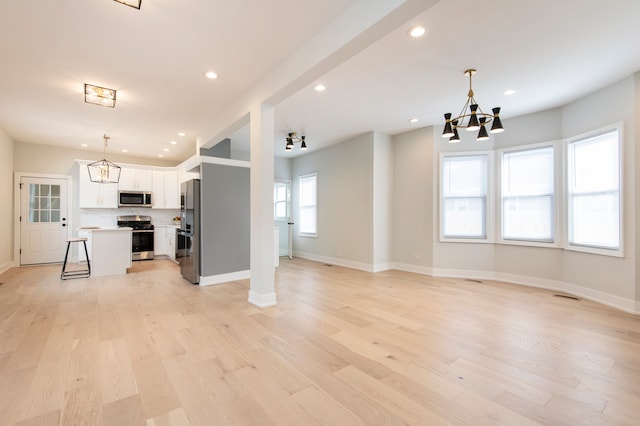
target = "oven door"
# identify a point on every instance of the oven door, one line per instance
(142, 244)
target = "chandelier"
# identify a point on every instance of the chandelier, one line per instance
(472, 118)
(293, 138)
(104, 171)
(99, 95)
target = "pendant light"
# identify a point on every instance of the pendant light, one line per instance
(104, 171)
(472, 118)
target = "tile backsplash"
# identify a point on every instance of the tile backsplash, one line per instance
(108, 217)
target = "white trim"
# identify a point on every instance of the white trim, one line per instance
(6, 266)
(17, 177)
(224, 278)
(262, 300)
(381, 267)
(568, 245)
(224, 161)
(367, 267)
(617, 302)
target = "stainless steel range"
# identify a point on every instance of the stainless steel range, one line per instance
(141, 236)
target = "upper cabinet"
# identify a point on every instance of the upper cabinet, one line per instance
(95, 195)
(166, 191)
(135, 180)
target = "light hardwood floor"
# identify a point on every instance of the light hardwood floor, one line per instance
(342, 347)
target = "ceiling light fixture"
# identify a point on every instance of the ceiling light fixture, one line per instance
(173, 143)
(212, 75)
(104, 171)
(471, 118)
(132, 3)
(293, 138)
(413, 120)
(319, 88)
(417, 31)
(99, 95)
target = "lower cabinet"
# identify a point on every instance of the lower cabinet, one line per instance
(83, 233)
(165, 241)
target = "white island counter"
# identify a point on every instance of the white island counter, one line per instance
(110, 250)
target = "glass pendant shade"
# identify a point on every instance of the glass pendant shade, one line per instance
(473, 120)
(496, 127)
(482, 134)
(104, 171)
(448, 131)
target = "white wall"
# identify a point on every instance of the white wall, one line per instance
(345, 199)
(382, 201)
(413, 195)
(6, 194)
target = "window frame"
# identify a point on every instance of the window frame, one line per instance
(488, 198)
(315, 205)
(556, 147)
(568, 245)
(277, 201)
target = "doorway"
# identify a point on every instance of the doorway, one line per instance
(43, 220)
(282, 217)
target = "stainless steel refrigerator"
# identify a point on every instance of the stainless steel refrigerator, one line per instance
(188, 241)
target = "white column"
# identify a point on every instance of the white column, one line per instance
(262, 284)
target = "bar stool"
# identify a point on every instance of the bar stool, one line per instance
(79, 273)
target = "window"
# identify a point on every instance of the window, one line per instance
(464, 196)
(280, 201)
(308, 204)
(593, 186)
(44, 203)
(527, 193)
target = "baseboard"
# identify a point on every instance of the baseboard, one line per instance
(262, 300)
(6, 266)
(611, 300)
(336, 261)
(224, 278)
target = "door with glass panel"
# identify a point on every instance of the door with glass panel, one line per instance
(43, 220)
(282, 217)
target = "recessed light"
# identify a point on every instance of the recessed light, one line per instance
(417, 31)
(125, 150)
(413, 120)
(181, 134)
(319, 88)
(173, 143)
(165, 149)
(160, 155)
(509, 92)
(84, 145)
(211, 75)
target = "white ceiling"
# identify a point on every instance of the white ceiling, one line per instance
(551, 52)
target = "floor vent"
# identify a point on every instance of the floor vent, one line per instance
(474, 281)
(567, 296)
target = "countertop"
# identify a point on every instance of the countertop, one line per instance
(106, 228)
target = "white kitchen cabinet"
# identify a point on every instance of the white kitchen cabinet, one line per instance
(135, 179)
(165, 241)
(95, 195)
(84, 233)
(166, 193)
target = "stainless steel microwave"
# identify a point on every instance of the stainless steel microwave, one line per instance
(134, 199)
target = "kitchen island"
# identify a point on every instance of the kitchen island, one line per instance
(109, 250)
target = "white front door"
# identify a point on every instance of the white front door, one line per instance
(43, 220)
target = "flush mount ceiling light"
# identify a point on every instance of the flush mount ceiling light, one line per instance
(99, 95)
(293, 138)
(133, 3)
(104, 171)
(472, 118)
